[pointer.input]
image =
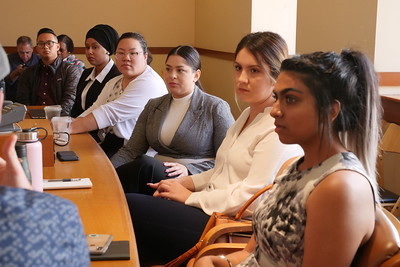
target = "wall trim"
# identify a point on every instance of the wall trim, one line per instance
(385, 78)
(153, 50)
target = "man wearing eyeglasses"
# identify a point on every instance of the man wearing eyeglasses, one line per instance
(51, 81)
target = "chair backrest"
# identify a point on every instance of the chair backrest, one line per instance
(383, 248)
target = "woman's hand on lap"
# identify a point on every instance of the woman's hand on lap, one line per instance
(171, 189)
(176, 170)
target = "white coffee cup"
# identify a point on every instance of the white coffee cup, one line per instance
(52, 111)
(60, 126)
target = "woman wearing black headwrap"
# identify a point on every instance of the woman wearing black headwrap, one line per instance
(100, 43)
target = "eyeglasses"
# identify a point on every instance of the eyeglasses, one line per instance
(131, 55)
(49, 44)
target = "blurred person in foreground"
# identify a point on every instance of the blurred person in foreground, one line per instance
(36, 229)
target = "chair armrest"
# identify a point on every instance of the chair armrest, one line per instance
(220, 249)
(226, 228)
(392, 218)
(393, 261)
(384, 243)
(217, 249)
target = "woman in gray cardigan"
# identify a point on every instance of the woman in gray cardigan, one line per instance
(185, 128)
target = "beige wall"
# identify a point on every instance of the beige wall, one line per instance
(209, 24)
(217, 79)
(277, 16)
(220, 24)
(163, 23)
(387, 48)
(333, 25)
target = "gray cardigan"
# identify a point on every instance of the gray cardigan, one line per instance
(198, 136)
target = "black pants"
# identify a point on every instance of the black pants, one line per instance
(111, 144)
(135, 175)
(164, 229)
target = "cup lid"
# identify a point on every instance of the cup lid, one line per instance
(63, 118)
(53, 107)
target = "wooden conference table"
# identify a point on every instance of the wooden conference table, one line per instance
(103, 208)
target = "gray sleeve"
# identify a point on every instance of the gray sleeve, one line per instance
(137, 144)
(222, 120)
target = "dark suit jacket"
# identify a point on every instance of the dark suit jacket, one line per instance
(93, 92)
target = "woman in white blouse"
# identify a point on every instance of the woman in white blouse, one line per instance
(123, 98)
(247, 160)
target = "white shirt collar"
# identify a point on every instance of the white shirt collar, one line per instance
(100, 77)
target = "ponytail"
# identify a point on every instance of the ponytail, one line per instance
(360, 118)
(349, 78)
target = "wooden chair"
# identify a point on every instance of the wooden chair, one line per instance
(238, 230)
(390, 201)
(383, 248)
(396, 208)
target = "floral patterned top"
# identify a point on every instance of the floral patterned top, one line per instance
(280, 220)
(71, 59)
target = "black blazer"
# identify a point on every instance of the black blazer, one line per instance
(93, 92)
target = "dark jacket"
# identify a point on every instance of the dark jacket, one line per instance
(93, 91)
(15, 61)
(65, 80)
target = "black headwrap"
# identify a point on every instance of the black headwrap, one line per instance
(104, 35)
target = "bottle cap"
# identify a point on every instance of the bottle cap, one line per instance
(28, 135)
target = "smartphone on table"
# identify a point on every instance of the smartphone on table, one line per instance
(98, 243)
(67, 156)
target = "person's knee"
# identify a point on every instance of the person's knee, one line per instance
(145, 161)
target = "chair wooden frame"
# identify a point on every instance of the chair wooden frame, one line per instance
(396, 208)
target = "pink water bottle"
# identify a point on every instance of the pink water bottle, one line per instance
(34, 155)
